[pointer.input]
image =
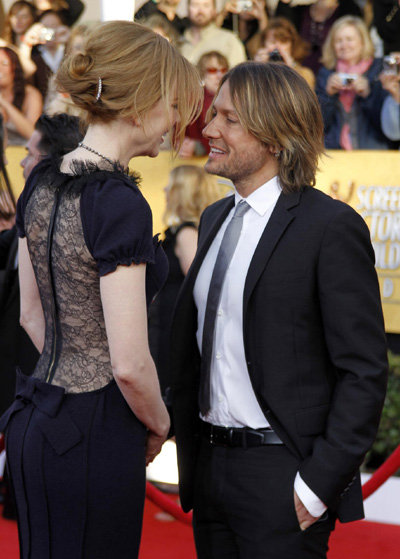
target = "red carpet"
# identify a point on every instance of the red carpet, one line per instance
(173, 540)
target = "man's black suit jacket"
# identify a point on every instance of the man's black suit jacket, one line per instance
(314, 342)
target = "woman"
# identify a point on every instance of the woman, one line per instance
(281, 35)
(348, 88)
(7, 200)
(47, 40)
(20, 103)
(20, 17)
(70, 10)
(212, 66)
(189, 191)
(313, 22)
(92, 411)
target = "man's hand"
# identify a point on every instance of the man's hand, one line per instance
(303, 516)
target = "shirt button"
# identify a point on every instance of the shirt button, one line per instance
(220, 399)
(219, 313)
(218, 356)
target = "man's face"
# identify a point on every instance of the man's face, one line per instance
(201, 12)
(235, 153)
(33, 155)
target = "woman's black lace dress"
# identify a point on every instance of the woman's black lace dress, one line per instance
(75, 450)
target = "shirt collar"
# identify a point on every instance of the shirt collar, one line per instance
(263, 197)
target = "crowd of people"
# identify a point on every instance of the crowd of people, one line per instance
(37, 35)
(254, 337)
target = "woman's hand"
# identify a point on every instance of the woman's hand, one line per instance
(334, 84)
(391, 83)
(262, 55)
(154, 444)
(361, 87)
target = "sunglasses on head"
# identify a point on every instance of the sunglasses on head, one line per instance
(215, 70)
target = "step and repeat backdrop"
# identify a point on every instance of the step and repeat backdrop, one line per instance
(367, 180)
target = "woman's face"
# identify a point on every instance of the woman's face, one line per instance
(6, 71)
(213, 73)
(272, 43)
(21, 20)
(155, 126)
(348, 44)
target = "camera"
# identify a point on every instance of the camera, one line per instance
(244, 5)
(390, 65)
(347, 79)
(47, 34)
(275, 56)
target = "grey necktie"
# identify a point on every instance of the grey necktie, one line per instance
(224, 257)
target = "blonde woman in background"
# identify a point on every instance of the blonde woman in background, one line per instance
(189, 191)
(349, 91)
(91, 416)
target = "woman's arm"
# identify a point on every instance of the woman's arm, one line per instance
(185, 247)
(24, 121)
(124, 306)
(32, 317)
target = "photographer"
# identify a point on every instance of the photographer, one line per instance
(47, 40)
(348, 88)
(247, 18)
(390, 115)
(281, 39)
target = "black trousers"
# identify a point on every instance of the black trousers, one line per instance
(244, 506)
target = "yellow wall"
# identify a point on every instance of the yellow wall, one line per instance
(367, 180)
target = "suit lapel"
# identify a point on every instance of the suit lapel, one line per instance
(276, 226)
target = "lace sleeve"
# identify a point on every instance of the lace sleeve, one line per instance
(117, 224)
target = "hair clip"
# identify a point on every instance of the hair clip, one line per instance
(99, 89)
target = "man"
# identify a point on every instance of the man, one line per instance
(292, 392)
(203, 35)
(53, 135)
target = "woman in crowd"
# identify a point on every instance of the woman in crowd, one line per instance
(21, 16)
(390, 115)
(212, 66)
(20, 103)
(47, 40)
(189, 191)
(348, 88)
(313, 22)
(69, 10)
(7, 200)
(91, 415)
(281, 35)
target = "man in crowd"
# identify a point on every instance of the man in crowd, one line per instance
(278, 348)
(203, 35)
(53, 135)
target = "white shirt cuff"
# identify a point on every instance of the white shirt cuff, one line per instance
(313, 504)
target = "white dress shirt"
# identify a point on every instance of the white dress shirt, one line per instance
(233, 401)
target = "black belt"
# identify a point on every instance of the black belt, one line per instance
(235, 436)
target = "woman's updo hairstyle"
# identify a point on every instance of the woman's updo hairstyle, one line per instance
(125, 70)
